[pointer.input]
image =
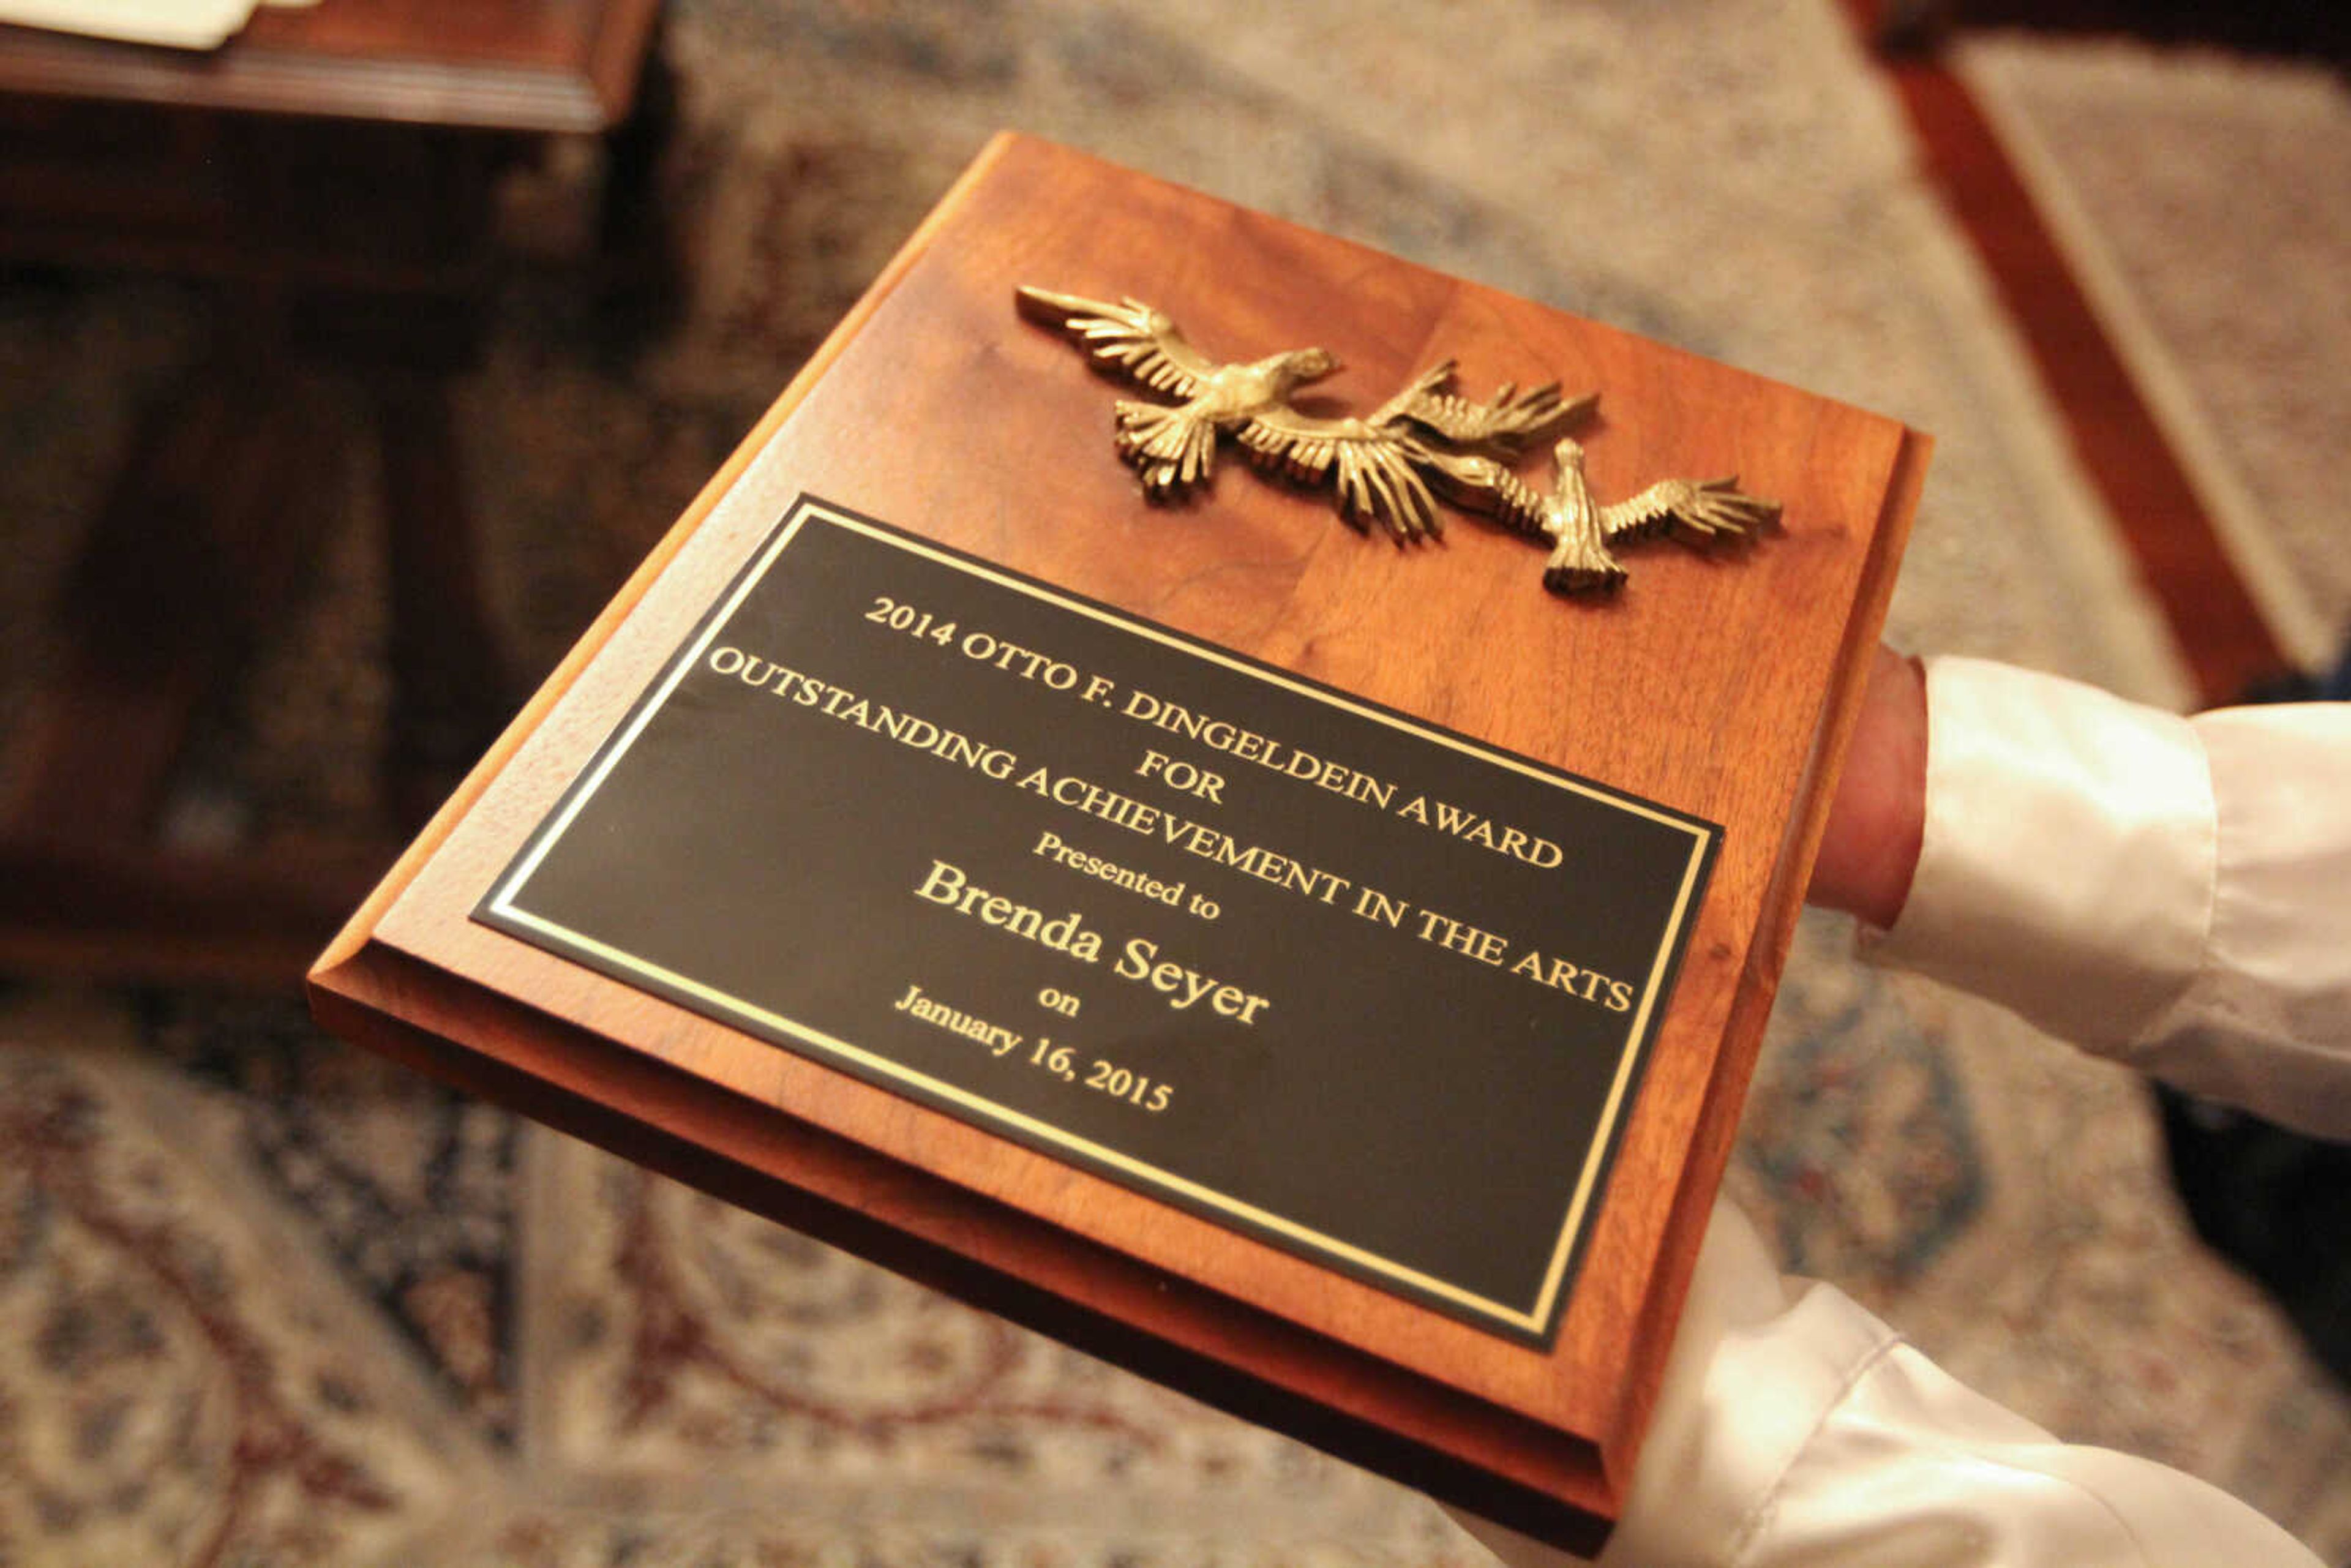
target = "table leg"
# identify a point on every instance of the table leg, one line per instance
(452, 693)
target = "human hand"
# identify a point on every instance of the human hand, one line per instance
(1869, 851)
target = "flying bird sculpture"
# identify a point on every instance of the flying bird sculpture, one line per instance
(1390, 466)
(1697, 511)
(1376, 463)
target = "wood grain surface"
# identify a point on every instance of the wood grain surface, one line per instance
(1718, 685)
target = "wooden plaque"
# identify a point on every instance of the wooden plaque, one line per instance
(1318, 973)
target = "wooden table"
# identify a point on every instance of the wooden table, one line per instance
(331, 172)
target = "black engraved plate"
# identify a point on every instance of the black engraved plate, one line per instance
(1366, 989)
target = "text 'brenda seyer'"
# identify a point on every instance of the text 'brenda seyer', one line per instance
(1138, 959)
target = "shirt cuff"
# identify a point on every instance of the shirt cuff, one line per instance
(2066, 870)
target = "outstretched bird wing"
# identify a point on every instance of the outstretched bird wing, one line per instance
(1130, 338)
(1709, 508)
(1376, 468)
(1504, 421)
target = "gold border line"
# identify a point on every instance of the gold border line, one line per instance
(501, 903)
(1617, 1092)
(550, 831)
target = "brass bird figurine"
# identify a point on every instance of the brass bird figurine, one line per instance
(1376, 463)
(1697, 511)
(1388, 467)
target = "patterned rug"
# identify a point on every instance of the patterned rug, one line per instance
(272, 1301)
(2213, 240)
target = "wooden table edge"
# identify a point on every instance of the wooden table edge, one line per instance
(260, 73)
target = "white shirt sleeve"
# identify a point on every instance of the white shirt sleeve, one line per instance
(1796, 1430)
(2171, 893)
